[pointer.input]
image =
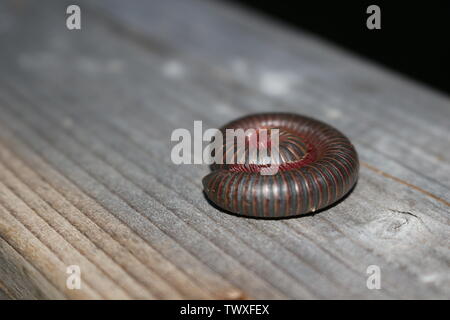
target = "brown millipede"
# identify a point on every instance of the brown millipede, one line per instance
(317, 166)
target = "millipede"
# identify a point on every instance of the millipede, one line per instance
(317, 166)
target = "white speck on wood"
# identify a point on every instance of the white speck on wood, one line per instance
(174, 69)
(274, 83)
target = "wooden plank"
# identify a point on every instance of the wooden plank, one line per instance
(3, 296)
(86, 178)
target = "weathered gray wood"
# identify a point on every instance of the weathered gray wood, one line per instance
(86, 177)
(3, 295)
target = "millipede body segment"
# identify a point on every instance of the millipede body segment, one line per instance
(317, 165)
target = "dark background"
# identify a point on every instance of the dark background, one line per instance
(413, 40)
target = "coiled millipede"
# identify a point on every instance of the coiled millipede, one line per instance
(317, 165)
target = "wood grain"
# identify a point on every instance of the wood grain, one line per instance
(86, 177)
